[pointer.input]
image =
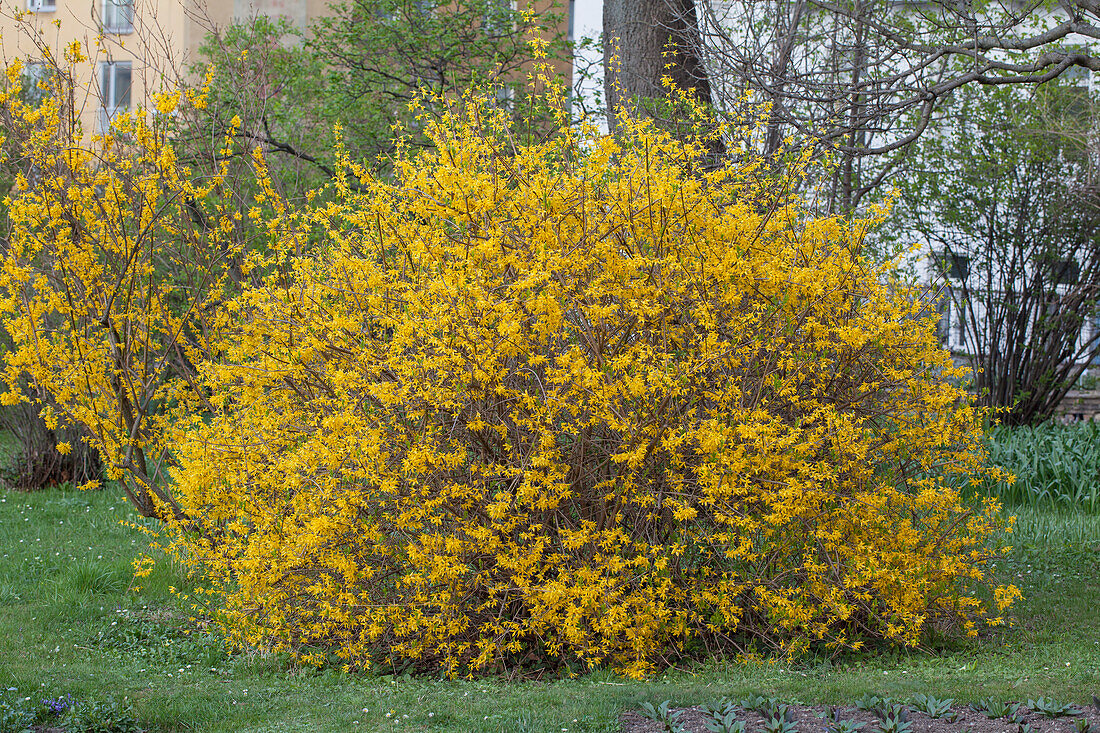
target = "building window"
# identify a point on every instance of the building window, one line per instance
(40, 6)
(960, 329)
(36, 82)
(114, 87)
(953, 265)
(118, 16)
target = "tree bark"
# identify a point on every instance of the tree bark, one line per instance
(646, 40)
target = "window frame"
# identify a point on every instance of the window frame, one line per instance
(114, 10)
(109, 103)
(42, 6)
(34, 74)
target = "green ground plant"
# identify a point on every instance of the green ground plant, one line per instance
(1054, 465)
(1051, 708)
(992, 708)
(932, 706)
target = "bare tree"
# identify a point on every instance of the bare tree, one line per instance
(864, 77)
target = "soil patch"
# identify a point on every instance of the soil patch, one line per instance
(808, 719)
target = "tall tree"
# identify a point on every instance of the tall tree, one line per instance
(361, 68)
(648, 45)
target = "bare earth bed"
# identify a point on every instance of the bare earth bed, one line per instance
(807, 719)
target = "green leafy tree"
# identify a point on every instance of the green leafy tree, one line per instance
(347, 82)
(1008, 207)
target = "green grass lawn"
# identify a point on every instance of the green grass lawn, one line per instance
(70, 622)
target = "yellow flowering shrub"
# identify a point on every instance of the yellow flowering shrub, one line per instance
(115, 259)
(549, 395)
(572, 397)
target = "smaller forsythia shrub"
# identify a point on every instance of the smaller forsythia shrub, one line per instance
(116, 256)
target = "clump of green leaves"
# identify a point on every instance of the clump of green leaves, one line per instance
(1082, 726)
(993, 709)
(844, 726)
(19, 714)
(872, 702)
(1051, 708)
(664, 714)
(893, 717)
(725, 723)
(723, 717)
(889, 709)
(934, 707)
(779, 719)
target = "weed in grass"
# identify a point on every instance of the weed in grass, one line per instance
(8, 594)
(1051, 708)
(21, 713)
(1081, 725)
(17, 715)
(993, 709)
(108, 716)
(933, 707)
(97, 577)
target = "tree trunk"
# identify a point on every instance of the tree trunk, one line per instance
(645, 40)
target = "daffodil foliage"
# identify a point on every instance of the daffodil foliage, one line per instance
(569, 397)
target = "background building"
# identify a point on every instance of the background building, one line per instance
(137, 46)
(140, 46)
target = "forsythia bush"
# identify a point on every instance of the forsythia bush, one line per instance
(576, 397)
